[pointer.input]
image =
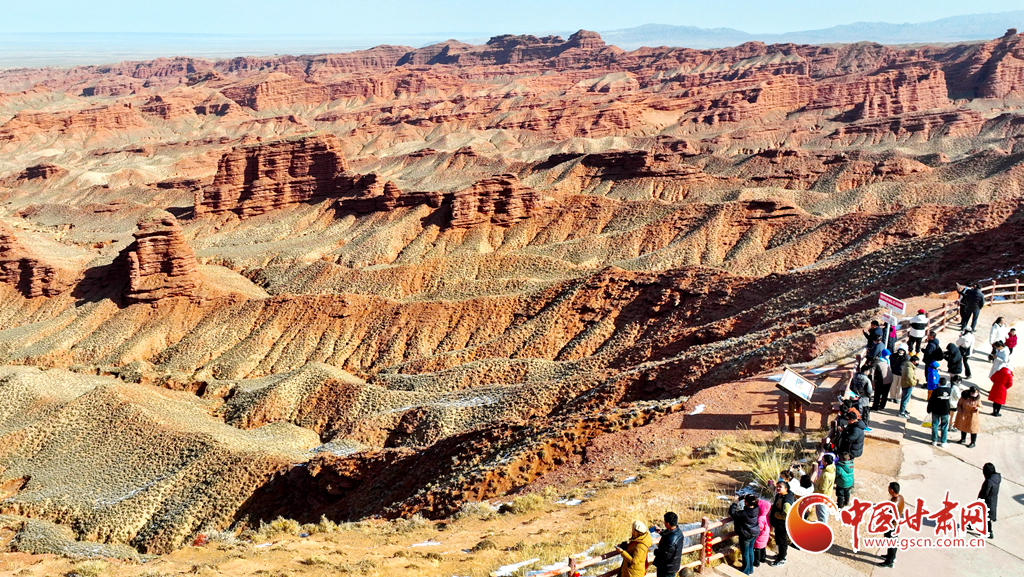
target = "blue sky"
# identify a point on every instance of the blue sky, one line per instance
(461, 16)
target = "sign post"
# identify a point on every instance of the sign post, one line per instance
(895, 306)
(799, 391)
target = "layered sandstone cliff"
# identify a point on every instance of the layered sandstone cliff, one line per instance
(500, 200)
(255, 179)
(161, 262)
(274, 90)
(26, 271)
(102, 119)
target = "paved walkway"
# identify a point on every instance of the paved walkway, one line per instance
(928, 472)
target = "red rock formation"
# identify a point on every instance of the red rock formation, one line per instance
(886, 93)
(275, 90)
(500, 200)
(255, 179)
(21, 268)
(961, 122)
(38, 172)
(991, 70)
(161, 262)
(116, 117)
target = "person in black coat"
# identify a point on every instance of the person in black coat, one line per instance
(954, 360)
(744, 515)
(875, 349)
(990, 493)
(852, 440)
(971, 301)
(872, 334)
(940, 406)
(933, 350)
(669, 552)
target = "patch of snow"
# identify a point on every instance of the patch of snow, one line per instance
(427, 543)
(508, 570)
(775, 378)
(569, 502)
(697, 410)
(628, 480)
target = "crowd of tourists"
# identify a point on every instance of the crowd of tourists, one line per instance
(889, 374)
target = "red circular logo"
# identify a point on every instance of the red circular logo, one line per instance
(811, 536)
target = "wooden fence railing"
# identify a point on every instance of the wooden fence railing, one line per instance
(705, 549)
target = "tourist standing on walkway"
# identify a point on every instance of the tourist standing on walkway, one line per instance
(862, 387)
(939, 408)
(931, 377)
(844, 480)
(874, 333)
(971, 301)
(852, 440)
(634, 551)
(894, 496)
(1002, 380)
(967, 419)
(908, 382)
(803, 488)
(954, 360)
(896, 362)
(966, 345)
(875, 349)
(777, 517)
(999, 356)
(765, 528)
(1011, 341)
(932, 349)
(669, 552)
(824, 484)
(998, 332)
(990, 493)
(916, 333)
(744, 517)
(882, 380)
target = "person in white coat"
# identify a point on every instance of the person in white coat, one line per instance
(966, 345)
(998, 332)
(918, 326)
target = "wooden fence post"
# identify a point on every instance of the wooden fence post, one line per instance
(992, 297)
(705, 541)
(1016, 289)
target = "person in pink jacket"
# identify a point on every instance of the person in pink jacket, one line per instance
(761, 543)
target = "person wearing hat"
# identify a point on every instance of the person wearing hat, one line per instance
(966, 345)
(634, 551)
(917, 331)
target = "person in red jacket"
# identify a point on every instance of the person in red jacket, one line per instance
(1011, 340)
(1002, 380)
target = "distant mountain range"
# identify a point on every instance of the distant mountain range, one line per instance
(953, 29)
(18, 50)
